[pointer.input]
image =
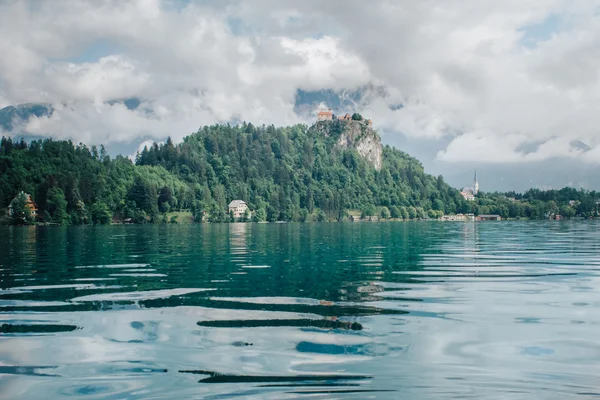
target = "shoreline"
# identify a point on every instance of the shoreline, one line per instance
(55, 225)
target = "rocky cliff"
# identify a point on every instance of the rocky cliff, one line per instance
(353, 134)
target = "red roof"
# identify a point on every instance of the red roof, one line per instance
(325, 113)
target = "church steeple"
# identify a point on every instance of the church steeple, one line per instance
(475, 184)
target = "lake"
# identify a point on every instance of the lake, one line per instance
(415, 310)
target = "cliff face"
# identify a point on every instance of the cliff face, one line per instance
(354, 134)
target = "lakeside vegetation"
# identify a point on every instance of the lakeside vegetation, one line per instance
(283, 174)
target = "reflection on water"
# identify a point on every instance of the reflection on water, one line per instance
(388, 310)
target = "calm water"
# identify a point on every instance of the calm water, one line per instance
(385, 311)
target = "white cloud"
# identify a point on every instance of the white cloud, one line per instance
(484, 145)
(3, 101)
(109, 78)
(460, 70)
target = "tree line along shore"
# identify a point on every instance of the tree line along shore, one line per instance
(293, 174)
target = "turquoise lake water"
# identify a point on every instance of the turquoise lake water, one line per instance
(422, 310)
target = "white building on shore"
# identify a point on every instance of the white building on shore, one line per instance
(469, 194)
(238, 208)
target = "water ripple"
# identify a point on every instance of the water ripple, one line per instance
(274, 311)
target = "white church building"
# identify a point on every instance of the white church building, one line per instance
(470, 193)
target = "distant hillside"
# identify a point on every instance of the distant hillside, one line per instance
(325, 172)
(12, 116)
(291, 173)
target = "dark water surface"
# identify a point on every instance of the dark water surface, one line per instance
(384, 310)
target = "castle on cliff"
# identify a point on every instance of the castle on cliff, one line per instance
(328, 115)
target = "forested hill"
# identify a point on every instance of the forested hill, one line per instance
(289, 173)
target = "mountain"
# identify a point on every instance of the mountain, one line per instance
(291, 173)
(13, 116)
(295, 173)
(333, 166)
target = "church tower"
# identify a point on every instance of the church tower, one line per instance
(475, 184)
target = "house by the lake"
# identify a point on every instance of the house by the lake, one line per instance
(453, 217)
(490, 217)
(367, 218)
(238, 208)
(29, 204)
(458, 217)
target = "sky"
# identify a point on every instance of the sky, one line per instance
(509, 88)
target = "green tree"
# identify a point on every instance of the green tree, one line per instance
(320, 216)
(357, 117)
(217, 214)
(20, 213)
(385, 212)
(219, 196)
(412, 212)
(552, 207)
(165, 199)
(310, 202)
(567, 211)
(404, 212)
(438, 204)
(304, 215)
(483, 210)
(56, 205)
(197, 210)
(368, 211)
(79, 214)
(101, 214)
(259, 215)
(144, 194)
(246, 216)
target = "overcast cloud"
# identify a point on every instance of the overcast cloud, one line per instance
(496, 82)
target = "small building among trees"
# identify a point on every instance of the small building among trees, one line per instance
(23, 208)
(467, 194)
(489, 217)
(238, 209)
